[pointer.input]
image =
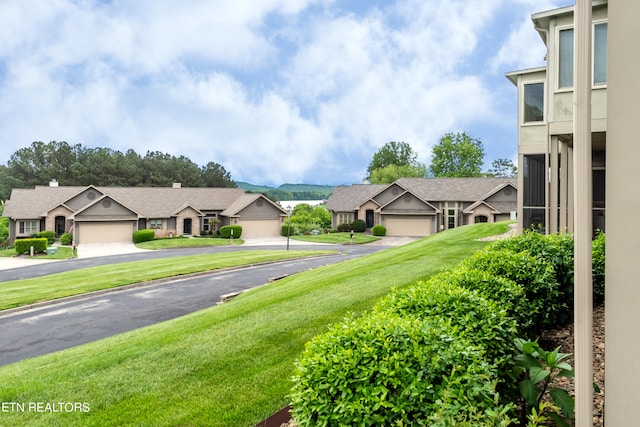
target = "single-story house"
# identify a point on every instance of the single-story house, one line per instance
(424, 206)
(111, 214)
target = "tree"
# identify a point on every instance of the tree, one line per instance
(391, 173)
(214, 175)
(457, 155)
(503, 168)
(395, 153)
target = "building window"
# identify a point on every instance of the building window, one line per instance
(565, 59)
(28, 227)
(451, 218)
(533, 102)
(155, 224)
(345, 218)
(600, 53)
(565, 56)
(481, 219)
(534, 177)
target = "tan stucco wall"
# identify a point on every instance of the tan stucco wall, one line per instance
(622, 372)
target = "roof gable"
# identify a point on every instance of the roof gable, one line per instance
(105, 208)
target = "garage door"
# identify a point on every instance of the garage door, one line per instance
(408, 225)
(260, 227)
(105, 232)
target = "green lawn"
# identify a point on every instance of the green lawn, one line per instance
(64, 252)
(344, 238)
(73, 282)
(184, 242)
(228, 365)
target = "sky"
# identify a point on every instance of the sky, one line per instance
(276, 91)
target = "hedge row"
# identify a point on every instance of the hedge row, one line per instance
(440, 352)
(23, 246)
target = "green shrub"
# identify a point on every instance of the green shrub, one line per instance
(379, 230)
(598, 252)
(359, 226)
(505, 292)
(384, 369)
(482, 321)
(23, 246)
(47, 234)
(225, 231)
(145, 235)
(343, 228)
(66, 239)
(284, 230)
(534, 275)
(556, 249)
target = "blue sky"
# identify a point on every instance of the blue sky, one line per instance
(276, 91)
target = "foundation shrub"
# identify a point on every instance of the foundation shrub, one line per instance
(145, 235)
(359, 226)
(386, 369)
(225, 231)
(379, 230)
(66, 239)
(534, 275)
(482, 321)
(343, 228)
(47, 234)
(556, 249)
(23, 246)
(597, 249)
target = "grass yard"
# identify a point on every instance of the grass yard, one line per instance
(74, 282)
(64, 252)
(344, 238)
(188, 242)
(228, 365)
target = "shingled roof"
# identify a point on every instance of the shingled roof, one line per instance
(148, 202)
(347, 198)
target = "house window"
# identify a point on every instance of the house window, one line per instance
(155, 224)
(480, 219)
(534, 177)
(28, 227)
(565, 59)
(600, 53)
(533, 102)
(345, 218)
(565, 56)
(451, 218)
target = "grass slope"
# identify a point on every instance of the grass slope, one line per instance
(228, 365)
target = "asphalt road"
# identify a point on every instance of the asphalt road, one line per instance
(57, 326)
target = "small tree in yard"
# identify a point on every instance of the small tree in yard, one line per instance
(457, 155)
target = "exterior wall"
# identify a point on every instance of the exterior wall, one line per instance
(50, 220)
(622, 249)
(16, 229)
(481, 210)
(188, 213)
(83, 199)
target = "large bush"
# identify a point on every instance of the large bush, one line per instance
(23, 246)
(66, 239)
(598, 267)
(482, 321)
(225, 231)
(47, 234)
(359, 226)
(145, 235)
(343, 228)
(378, 230)
(536, 277)
(384, 369)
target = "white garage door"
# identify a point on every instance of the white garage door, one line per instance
(408, 225)
(260, 227)
(105, 232)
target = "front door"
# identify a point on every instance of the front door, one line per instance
(60, 225)
(369, 218)
(187, 226)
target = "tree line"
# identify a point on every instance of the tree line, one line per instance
(76, 164)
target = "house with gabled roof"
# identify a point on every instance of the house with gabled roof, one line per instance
(111, 214)
(424, 206)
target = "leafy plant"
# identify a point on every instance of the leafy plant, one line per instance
(540, 369)
(379, 230)
(227, 231)
(66, 239)
(359, 226)
(598, 252)
(145, 235)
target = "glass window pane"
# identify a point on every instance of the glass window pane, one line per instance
(534, 102)
(600, 54)
(566, 59)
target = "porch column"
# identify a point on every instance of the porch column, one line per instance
(553, 185)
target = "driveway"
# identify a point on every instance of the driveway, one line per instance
(91, 250)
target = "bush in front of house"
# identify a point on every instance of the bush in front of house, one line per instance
(379, 230)
(66, 239)
(225, 231)
(386, 369)
(597, 251)
(47, 234)
(359, 226)
(343, 228)
(536, 277)
(23, 246)
(145, 235)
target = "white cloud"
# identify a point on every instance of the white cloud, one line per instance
(275, 91)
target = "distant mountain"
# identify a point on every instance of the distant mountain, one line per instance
(290, 191)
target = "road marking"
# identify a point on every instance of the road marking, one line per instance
(90, 306)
